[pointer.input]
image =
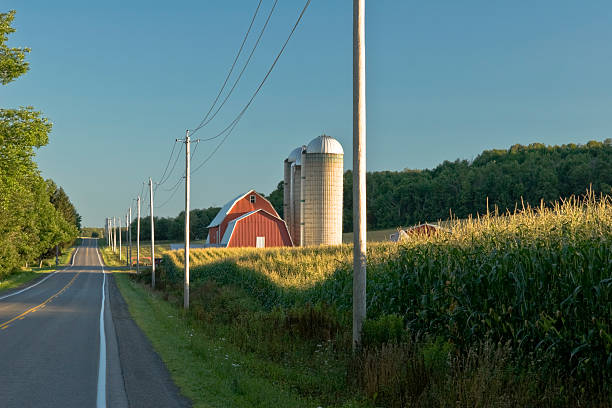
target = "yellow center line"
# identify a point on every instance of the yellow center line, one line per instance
(43, 304)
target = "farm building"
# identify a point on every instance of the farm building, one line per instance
(421, 229)
(248, 220)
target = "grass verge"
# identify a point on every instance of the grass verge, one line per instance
(20, 278)
(204, 365)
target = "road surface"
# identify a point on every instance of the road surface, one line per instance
(67, 340)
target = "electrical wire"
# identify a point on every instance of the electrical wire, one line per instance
(142, 189)
(195, 149)
(174, 185)
(171, 170)
(232, 67)
(169, 158)
(233, 124)
(242, 71)
(171, 195)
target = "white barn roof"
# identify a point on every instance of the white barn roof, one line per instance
(226, 209)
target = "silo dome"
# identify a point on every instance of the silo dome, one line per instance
(295, 154)
(298, 160)
(324, 144)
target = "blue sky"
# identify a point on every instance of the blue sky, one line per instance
(445, 80)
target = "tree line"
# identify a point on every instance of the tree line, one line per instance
(35, 214)
(506, 178)
(173, 228)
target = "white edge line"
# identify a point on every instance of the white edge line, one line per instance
(42, 280)
(101, 399)
(74, 256)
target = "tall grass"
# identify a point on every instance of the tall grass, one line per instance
(538, 281)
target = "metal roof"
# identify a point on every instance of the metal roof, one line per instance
(298, 161)
(226, 209)
(324, 144)
(295, 154)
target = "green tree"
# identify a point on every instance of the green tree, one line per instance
(12, 60)
(30, 225)
(276, 198)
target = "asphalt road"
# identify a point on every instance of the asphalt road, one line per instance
(67, 340)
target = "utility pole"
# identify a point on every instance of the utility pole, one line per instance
(359, 172)
(187, 198)
(120, 257)
(114, 235)
(128, 249)
(152, 234)
(138, 236)
(106, 232)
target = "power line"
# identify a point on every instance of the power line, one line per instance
(233, 124)
(142, 189)
(174, 185)
(241, 72)
(161, 182)
(195, 149)
(231, 69)
(169, 158)
(175, 188)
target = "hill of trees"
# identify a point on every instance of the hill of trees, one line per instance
(35, 215)
(401, 198)
(531, 173)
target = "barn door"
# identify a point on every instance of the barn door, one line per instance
(260, 242)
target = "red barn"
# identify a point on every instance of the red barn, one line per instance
(248, 220)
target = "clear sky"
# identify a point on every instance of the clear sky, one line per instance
(445, 80)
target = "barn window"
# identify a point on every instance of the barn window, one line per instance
(252, 199)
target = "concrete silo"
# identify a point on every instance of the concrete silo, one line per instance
(322, 186)
(286, 191)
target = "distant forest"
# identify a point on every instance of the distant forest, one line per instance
(401, 198)
(534, 172)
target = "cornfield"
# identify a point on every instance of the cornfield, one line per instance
(539, 280)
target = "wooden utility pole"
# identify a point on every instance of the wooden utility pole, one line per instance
(120, 257)
(138, 236)
(187, 142)
(152, 234)
(359, 171)
(114, 235)
(128, 236)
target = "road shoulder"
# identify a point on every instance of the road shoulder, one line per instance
(146, 379)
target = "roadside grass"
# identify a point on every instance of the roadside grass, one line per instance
(24, 276)
(206, 366)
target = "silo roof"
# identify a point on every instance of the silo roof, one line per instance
(324, 144)
(297, 161)
(295, 154)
